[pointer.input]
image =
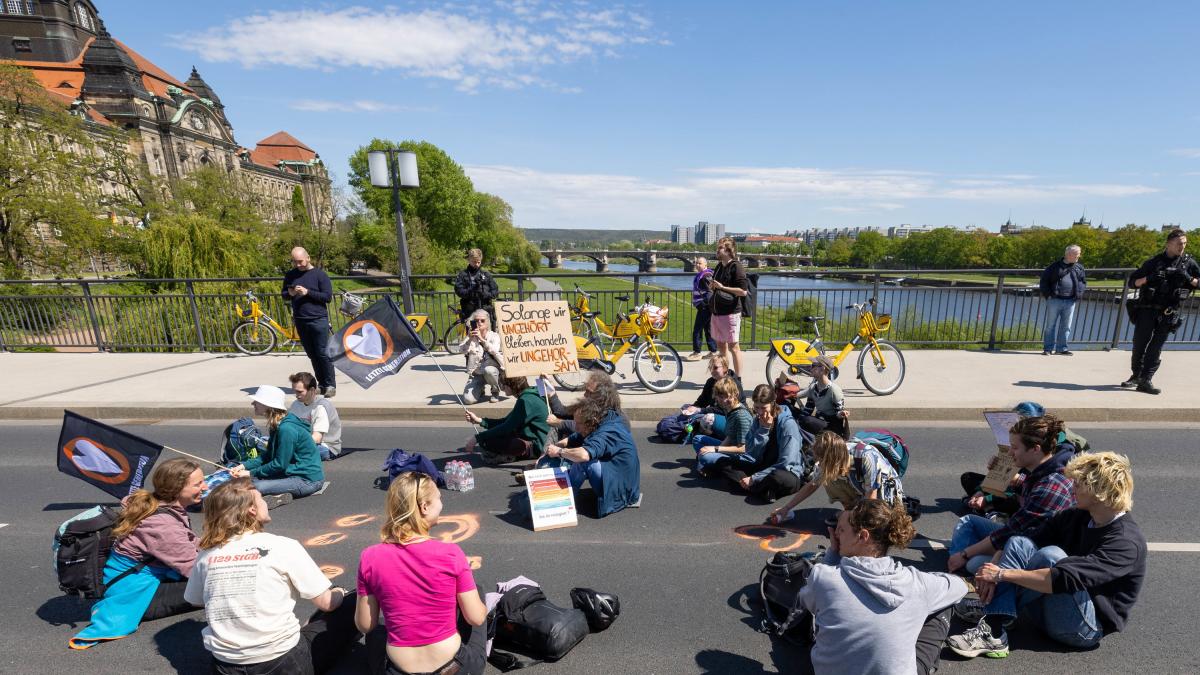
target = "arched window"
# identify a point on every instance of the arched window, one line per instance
(84, 17)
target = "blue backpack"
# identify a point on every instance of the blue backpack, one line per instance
(400, 461)
(890, 445)
(241, 441)
(674, 428)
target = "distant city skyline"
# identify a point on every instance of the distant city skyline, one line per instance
(764, 117)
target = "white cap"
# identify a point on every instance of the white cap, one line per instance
(272, 397)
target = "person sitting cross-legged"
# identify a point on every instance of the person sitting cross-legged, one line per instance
(738, 422)
(598, 385)
(291, 465)
(603, 453)
(872, 613)
(519, 435)
(320, 413)
(1077, 579)
(773, 464)
(1044, 492)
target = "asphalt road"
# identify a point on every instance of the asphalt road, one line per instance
(686, 579)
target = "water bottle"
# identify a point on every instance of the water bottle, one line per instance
(453, 482)
(468, 477)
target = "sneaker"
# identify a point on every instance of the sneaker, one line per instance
(970, 611)
(276, 501)
(330, 392)
(979, 641)
(1131, 383)
(1146, 387)
(694, 356)
(638, 503)
(324, 485)
(710, 355)
(519, 477)
(1066, 352)
(1045, 352)
(469, 399)
(494, 399)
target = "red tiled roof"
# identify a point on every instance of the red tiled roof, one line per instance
(281, 147)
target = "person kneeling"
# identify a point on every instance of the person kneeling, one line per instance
(423, 586)
(247, 580)
(1077, 579)
(849, 471)
(772, 465)
(602, 452)
(872, 613)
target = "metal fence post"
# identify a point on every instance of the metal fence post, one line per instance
(196, 316)
(91, 309)
(996, 311)
(637, 290)
(521, 289)
(875, 290)
(1116, 338)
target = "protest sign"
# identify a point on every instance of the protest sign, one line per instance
(551, 500)
(1003, 469)
(536, 338)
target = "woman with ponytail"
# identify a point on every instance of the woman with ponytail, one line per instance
(872, 613)
(152, 556)
(247, 581)
(423, 587)
(1034, 445)
(290, 467)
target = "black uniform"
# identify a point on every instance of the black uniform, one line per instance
(1168, 282)
(475, 289)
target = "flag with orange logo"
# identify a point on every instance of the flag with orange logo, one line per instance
(375, 344)
(113, 460)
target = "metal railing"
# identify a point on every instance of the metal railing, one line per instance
(928, 307)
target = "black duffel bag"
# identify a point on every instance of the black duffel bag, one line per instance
(528, 623)
(779, 586)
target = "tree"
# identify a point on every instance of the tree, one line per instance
(869, 249)
(838, 254)
(299, 210)
(1129, 246)
(194, 245)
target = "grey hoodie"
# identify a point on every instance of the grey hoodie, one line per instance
(869, 612)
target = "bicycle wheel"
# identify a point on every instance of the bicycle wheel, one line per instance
(428, 336)
(455, 334)
(253, 339)
(776, 365)
(882, 371)
(574, 381)
(661, 374)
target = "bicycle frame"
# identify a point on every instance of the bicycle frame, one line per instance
(799, 353)
(257, 316)
(625, 334)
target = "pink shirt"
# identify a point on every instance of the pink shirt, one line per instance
(417, 587)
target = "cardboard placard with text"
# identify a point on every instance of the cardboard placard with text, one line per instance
(536, 338)
(1003, 469)
(551, 499)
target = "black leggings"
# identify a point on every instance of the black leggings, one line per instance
(778, 483)
(930, 640)
(168, 601)
(322, 641)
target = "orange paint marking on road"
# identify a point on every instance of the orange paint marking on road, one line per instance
(325, 539)
(331, 571)
(766, 535)
(474, 562)
(354, 520)
(465, 527)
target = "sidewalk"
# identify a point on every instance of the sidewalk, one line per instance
(939, 385)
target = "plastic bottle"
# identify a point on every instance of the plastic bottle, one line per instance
(453, 480)
(468, 477)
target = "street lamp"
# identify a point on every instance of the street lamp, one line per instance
(397, 169)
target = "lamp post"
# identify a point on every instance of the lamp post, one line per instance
(397, 169)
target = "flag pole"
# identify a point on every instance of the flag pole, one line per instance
(198, 459)
(457, 396)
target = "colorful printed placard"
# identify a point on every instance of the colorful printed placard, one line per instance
(551, 500)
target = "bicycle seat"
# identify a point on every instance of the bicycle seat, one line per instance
(813, 319)
(590, 314)
(622, 298)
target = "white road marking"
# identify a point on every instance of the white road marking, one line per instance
(1173, 547)
(3, 524)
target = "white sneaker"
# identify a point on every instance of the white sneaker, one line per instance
(979, 641)
(694, 356)
(469, 399)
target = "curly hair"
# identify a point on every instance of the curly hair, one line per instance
(227, 512)
(832, 455)
(169, 479)
(1040, 431)
(588, 414)
(889, 526)
(404, 498)
(1107, 475)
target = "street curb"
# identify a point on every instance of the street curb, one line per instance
(642, 414)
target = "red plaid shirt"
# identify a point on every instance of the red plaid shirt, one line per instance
(1044, 493)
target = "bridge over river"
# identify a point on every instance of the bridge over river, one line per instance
(647, 261)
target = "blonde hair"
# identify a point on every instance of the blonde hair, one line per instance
(727, 388)
(832, 455)
(1106, 475)
(274, 417)
(404, 498)
(475, 254)
(717, 358)
(227, 513)
(169, 479)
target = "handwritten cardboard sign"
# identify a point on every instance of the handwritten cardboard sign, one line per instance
(536, 338)
(551, 500)
(1003, 469)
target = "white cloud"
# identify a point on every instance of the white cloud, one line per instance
(368, 106)
(1190, 153)
(504, 44)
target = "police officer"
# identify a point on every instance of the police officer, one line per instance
(475, 288)
(1162, 282)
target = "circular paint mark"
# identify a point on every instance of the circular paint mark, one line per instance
(325, 539)
(119, 458)
(474, 562)
(352, 340)
(768, 534)
(331, 571)
(465, 527)
(354, 520)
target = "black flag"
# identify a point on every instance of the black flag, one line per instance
(113, 460)
(375, 344)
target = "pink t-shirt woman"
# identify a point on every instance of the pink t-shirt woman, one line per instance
(417, 586)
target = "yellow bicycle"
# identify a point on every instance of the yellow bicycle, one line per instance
(257, 332)
(880, 365)
(656, 364)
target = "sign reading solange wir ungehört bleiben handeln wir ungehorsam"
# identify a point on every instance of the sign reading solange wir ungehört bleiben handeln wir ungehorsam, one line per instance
(536, 338)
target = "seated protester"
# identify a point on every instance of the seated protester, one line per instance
(320, 414)
(1068, 444)
(519, 435)
(872, 613)
(772, 465)
(598, 384)
(247, 580)
(849, 472)
(423, 586)
(602, 452)
(718, 369)
(482, 349)
(1044, 492)
(154, 528)
(1078, 579)
(291, 464)
(738, 422)
(824, 404)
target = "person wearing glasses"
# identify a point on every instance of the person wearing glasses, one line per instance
(308, 289)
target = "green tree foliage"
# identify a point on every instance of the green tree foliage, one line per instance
(1128, 246)
(195, 245)
(869, 249)
(838, 253)
(299, 210)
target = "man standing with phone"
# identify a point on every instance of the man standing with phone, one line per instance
(309, 290)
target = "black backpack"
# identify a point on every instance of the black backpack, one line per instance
(779, 586)
(81, 548)
(526, 622)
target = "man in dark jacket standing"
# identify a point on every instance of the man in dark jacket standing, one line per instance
(1162, 282)
(475, 288)
(1062, 285)
(701, 296)
(309, 290)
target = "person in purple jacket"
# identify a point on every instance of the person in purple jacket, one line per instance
(700, 300)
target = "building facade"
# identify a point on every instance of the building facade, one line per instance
(709, 233)
(682, 235)
(178, 126)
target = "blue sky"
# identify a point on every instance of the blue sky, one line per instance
(765, 116)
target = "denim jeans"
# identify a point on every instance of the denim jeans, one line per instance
(314, 335)
(969, 530)
(297, 486)
(1069, 618)
(700, 328)
(1060, 314)
(577, 472)
(701, 441)
(707, 459)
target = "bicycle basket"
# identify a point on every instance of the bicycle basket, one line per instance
(351, 305)
(655, 317)
(883, 322)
